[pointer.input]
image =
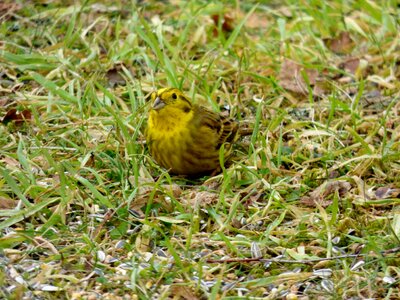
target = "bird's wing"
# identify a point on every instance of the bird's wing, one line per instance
(225, 128)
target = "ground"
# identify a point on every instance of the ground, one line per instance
(306, 209)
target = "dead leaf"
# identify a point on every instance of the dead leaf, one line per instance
(227, 23)
(6, 9)
(311, 202)
(203, 198)
(386, 192)
(4, 101)
(341, 44)
(6, 203)
(340, 185)
(236, 223)
(182, 292)
(114, 77)
(17, 117)
(174, 189)
(334, 174)
(285, 11)
(291, 79)
(11, 163)
(321, 194)
(350, 65)
(257, 20)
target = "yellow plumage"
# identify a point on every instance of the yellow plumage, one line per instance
(185, 138)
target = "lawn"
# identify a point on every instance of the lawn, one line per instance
(307, 208)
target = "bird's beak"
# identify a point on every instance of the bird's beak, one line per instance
(158, 104)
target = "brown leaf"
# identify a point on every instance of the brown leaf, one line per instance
(236, 223)
(137, 204)
(386, 192)
(174, 189)
(17, 117)
(8, 9)
(324, 191)
(350, 65)
(227, 23)
(4, 101)
(311, 202)
(182, 292)
(341, 44)
(203, 198)
(10, 162)
(6, 203)
(334, 174)
(114, 77)
(291, 78)
(257, 20)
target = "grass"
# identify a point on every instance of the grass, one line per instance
(86, 212)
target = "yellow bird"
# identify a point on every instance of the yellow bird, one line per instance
(186, 138)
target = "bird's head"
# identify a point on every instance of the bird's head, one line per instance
(170, 98)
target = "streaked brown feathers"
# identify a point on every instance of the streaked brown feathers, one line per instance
(185, 138)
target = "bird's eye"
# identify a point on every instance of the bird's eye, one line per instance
(174, 96)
